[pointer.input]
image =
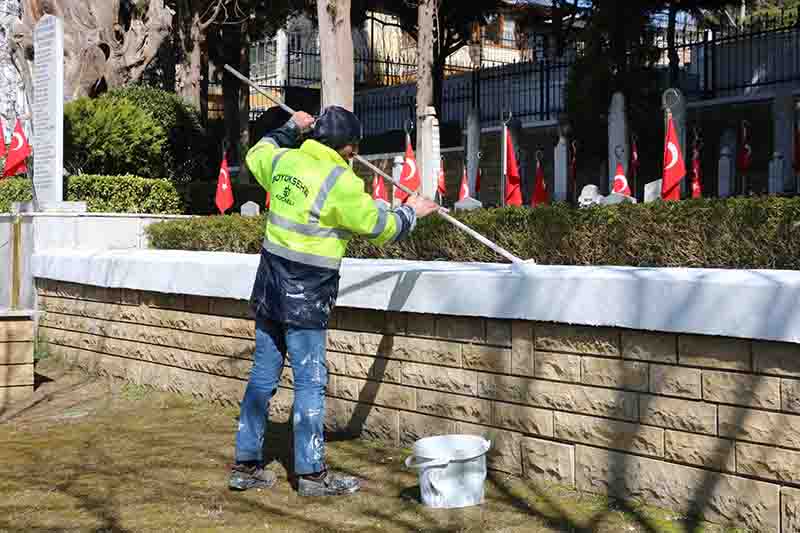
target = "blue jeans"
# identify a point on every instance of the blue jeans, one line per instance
(306, 349)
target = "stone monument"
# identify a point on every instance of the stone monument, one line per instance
(250, 209)
(652, 191)
(473, 146)
(727, 164)
(431, 153)
(561, 158)
(777, 168)
(783, 120)
(397, 171)
(617, 137)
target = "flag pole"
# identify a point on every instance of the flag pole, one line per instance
(503, 162)
(442, 212)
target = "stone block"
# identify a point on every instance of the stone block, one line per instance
(233, 327)
(714, 352)
(548, 462)
(16, 375)
(694, 449)
(742, 389)
(557, 366)
(16, 353)
(522, 348)
(790, 395)
(396, 323)
(338, 415)
(731, 501)
(162, 300)
(415, 426)
(11, 395)
(337, 363)
(790, 510)
(461, 328)
(487, 358)
(768, 462)
(376, 423)
(421, 325)
(612, 434)
(684, 415)
(440, 378)
(560, 396)
(16, 330)
(162, 355)
(777, 358)
(456, 407)
(374, 368)
(577, 339)
(426, 351)
(628, 375)
(653, 347)
(763, 427)
(362, 320)
(505, 453)
(675, 381)
(280, 406)
(197, 304)
(358, 343)
(374, 393)
(498, 333)
(529, 420)
(230, 307)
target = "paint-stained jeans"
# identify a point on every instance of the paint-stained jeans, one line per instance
(306, 350)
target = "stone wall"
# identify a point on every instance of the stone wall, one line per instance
(697, 424)
(16, 359)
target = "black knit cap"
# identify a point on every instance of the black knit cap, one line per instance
(337, 127)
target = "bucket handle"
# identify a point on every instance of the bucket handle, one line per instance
(413, 462)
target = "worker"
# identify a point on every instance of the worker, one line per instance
(317, 204)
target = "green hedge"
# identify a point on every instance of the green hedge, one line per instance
(733, 233)
(104, 194)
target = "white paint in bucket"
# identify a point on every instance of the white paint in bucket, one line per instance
(452, 470)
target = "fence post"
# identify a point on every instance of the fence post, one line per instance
(547, 89)
(541, 90)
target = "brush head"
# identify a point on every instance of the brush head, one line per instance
(523, 267)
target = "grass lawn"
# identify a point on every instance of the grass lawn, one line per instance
(87, 454)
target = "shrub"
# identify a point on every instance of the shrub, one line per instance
(187, 151)
(104, 194)
(14, 190)
(733, 233)
(232, 233)
(112, 137)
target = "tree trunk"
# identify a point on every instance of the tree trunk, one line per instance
(188, 71)
(674, 60)
(98, 44)
(336, 53)
(425, 79)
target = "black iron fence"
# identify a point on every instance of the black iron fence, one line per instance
(759, 57)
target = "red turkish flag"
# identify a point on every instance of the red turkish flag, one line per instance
(674, 166)
(224, 197)
(379, 190)
(2, 140)
(744, 159)
(621, 182)
(442, 186)
(478, 182)
(540, 196)
(410, 174)
(513, 180)
(634, 160)
(463, 192)
(697, 174)
(266, 203)
(18, 152)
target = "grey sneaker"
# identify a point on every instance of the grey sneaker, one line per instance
(245, 477)
(327, 484)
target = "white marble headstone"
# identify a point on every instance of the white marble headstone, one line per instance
(250, 209)
(48, 110)
(652, 191)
